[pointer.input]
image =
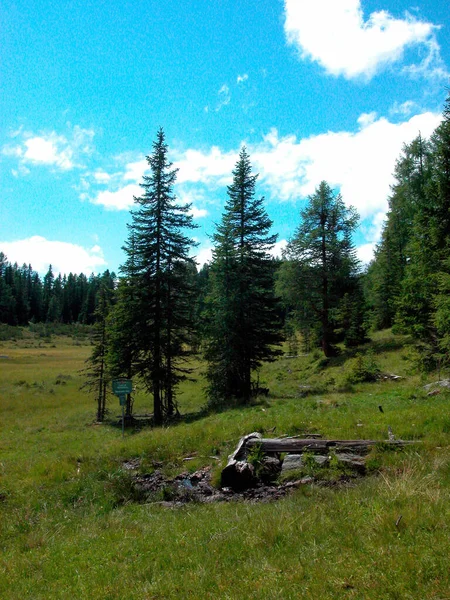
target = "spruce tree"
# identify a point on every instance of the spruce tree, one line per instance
(159, 291)
(244, 325)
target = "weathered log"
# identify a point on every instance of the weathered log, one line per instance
(239, 474)
(297, 446)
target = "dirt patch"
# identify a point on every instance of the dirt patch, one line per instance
(197, 487)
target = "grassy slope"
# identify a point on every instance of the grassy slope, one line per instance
(70, 529)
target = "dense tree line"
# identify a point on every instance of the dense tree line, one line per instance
(25, 297)
(408, 282)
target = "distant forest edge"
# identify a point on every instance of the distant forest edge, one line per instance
(316, 289)
(25, 297)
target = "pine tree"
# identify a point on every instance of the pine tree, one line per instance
(244, 323)
(47, 291)
(96, 371)
(321, 265)
(155, 273)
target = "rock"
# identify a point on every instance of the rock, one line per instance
(292, 462)
(297, 462)
(238, 476)
(353, 461)
(443, 383)
(269, 468)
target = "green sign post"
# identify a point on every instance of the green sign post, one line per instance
(122, 387)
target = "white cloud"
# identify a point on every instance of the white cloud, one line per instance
(121, 199)
(367, 119)
(50, 149)
(63, 256)
(335, 34)
(242, 78)
(15, 151)
(45, 151)
(204, 255)
(278, 248)
(198, 213)
(102, 177)
(365, 253)
(135, 170)
(404, 109)
(213, 167)
(359, 164)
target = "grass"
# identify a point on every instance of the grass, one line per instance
(73, 527)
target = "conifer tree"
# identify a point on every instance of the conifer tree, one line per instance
(96, 371)
(244, 324)
(155, 274)
(322, 268)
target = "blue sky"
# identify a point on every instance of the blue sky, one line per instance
(329, 89)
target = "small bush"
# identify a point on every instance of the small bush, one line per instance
(361, 368)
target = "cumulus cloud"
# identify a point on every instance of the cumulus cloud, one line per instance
(335, 34)
(135, 170)
(360, 164)
(121, 199)
(63, 256)
(198, 213)
(62, 152)
(213, 166)
(122, 185)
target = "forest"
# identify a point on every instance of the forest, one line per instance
(237, 309)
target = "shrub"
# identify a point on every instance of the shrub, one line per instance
(361, 368)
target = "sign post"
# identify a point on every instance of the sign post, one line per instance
(122, 387)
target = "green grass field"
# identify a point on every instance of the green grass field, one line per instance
(71, 526)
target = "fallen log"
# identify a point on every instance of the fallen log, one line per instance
(297, 446)
(240, 474)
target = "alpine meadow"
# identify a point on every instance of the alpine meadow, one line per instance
(225, 301)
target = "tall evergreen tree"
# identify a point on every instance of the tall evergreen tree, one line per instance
(156, 273)
(244, 324)
(322, 267)
(96, 371)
